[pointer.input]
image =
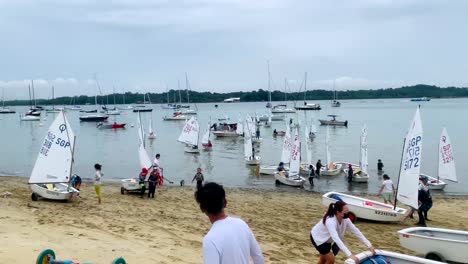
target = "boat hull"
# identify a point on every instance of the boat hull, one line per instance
(435, 184)
(191, 150)
(58, 191)
(448, 244)
(93, 118)
(30, 118)
(130, 185)
(175, 118)
(252, 160)
(392, 257)
(294, 181)
(365, 208)
(332, 123)
(270, 169)
(225, 133)
(331, 172)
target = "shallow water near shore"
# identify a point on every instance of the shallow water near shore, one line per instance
(387, 121)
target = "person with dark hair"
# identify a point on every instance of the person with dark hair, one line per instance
(152, 183)
(318, 166)
(230, 240)
(97, 181)
(425, 201)
(311, 175)
(199, 178)
(387, 190)
(332, 228)
(379, 165)
(350, 173)
(142, 181)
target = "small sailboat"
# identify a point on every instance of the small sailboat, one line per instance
(206, 142)
(285, 155)
(190, 136)
(144, 107)
(249, 150)
(51, 174)
(269, 105)
(408, 179)
(360, 173)
(331, 168)
(132, 184)
(292, 177)
(3, 109)
(151, 134)
(446, 168)
(335, 102)
(306, 167)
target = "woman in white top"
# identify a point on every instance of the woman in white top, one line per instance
(332, 228)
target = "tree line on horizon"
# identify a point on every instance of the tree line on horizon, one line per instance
(260, 95)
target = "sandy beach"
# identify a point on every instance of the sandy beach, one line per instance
(170, 228)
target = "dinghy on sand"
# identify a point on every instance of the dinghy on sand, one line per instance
(51, 175)
(389, 257)
(292, 177)
(436, 243)
(332, 168)
(364, 208)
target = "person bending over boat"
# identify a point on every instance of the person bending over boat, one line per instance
(230, 240)
(331, 229)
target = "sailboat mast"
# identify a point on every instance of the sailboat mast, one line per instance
(187, 88)
(399, 173)
(178, 88)
(34, 97)
(305, 85)
(141, 130)
(3, 97)
(269, 82)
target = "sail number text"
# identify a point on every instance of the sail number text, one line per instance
(413, 153)
(447, 154)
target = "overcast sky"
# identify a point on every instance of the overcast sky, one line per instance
(224, 45)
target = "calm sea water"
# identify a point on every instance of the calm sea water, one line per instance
(387, 122)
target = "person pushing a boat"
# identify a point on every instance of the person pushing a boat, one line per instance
(331, 229)
(230, 240)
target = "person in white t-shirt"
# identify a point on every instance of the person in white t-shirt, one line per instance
(387, 190)
(332, 228)
(230, 240)
(97, 181)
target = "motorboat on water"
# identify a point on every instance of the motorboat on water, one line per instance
(388, 257)
(333, 122)
(421, 99)
(282, 109)
(142, 108)
(226, 130)
(6, 110)
(111, 126)
(307, 106)
(175, 117)
(436, 243)
(94, 118)
(360, 207)
(335, 103)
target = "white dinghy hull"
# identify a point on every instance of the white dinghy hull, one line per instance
(252, 160)
(392, 257)
(57, 191)
(436, 243)
(365, 208)
(270, 169)
(225, 133)
(130, 185)
(435, 184)
(327, 172)
(295, 181)
(192, 150)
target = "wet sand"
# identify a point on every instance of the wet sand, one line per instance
(170, 228)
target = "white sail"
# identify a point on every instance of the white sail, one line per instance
(190, 131)
(411, 164)
(240, 127)
(313, 128)
(145, 161)
(295, 163)
(250, 124)
(363, 162)
(54, 162)
(446, 160)
(150, 129)
(287, 146)
(269, 116)
(247, 142)
(206, 136)
(327, 147)
(308, 146)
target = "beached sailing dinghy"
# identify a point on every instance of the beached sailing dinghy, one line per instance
(51, 175)
(132, 184)
(436, 243)
(446, 168)
(331, 168)
(285, 155)
(292, 177)
(388, 257)
(190, 135)
(363, 208)
(360, 173)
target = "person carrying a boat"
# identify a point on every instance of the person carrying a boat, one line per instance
(230, 240)
(387, 190)
(142, 180)
(331, 229)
